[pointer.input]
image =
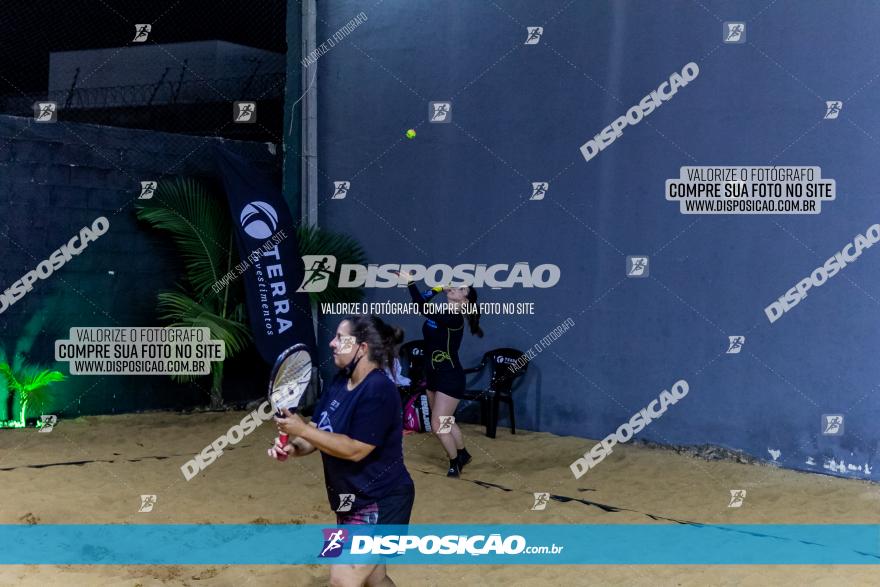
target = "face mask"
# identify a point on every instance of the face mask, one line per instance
(348, 370)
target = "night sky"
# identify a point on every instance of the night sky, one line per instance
(29, 31)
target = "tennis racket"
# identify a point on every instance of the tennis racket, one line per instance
(289, 380)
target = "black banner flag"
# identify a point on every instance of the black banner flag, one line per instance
(264, 229)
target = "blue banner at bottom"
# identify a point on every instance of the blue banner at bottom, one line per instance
(203, 544)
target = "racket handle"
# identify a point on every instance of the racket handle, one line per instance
(283, 456)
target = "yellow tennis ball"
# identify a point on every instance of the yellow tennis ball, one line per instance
(410, 134)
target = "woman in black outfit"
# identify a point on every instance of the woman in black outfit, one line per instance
(442, 332)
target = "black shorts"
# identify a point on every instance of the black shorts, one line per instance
(451, 382)
(392, 508)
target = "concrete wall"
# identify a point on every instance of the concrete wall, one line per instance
(57, 178)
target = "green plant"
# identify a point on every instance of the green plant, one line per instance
(29, 382)
(200, 228)
(19, 379)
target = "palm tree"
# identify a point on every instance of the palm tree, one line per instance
(200, 225)
(29, 382)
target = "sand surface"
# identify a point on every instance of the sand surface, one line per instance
(146, 451)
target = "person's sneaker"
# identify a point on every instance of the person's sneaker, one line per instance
(464, 457)
(454, 468)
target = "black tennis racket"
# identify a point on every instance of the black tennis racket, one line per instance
(289, 380)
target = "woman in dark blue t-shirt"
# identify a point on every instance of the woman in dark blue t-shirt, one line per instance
(358, 427)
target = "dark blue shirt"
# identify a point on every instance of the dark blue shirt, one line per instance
(370, 413)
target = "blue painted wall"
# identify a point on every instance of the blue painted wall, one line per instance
(459, 193)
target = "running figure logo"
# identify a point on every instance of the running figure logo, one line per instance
(832, 424)
(440, 112)
(346, 500)
(637, 266)
(539, 190)
(334, 541)
(832, 109)
(346, 343)
(147, 503)
(734, 32)
(47, 423)
(45, 112)
(141, 32)
(541, 500)
(340, 189)
(148, 188)
(735, 344)
(245, 112)
(534, 34)
(446, 423)
(318, 269)
(737, 497)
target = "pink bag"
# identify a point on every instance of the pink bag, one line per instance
(417, 414)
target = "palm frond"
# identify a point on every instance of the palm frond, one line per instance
(200, 227)
(35, 378)
(180, 310)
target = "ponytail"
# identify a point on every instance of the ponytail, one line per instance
(474, 319)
